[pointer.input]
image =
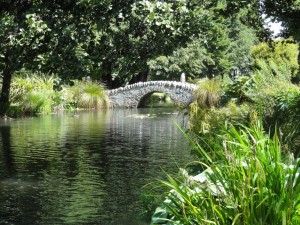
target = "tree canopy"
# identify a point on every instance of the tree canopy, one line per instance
(286, 12)
(121, 42)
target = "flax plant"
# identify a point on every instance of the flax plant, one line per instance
(246, 180)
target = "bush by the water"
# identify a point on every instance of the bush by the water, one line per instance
(33, 93)
(248, 166)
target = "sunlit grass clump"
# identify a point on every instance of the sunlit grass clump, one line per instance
(208, 93)
(33, 92)
(86, 94)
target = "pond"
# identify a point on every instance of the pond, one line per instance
(85, 168)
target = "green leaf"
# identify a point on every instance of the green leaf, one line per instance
(152, 16)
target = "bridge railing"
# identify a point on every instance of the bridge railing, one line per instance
(175, 84)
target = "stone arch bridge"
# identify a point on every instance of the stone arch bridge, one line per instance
(134, 95)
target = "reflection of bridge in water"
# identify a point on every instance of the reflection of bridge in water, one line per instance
(134, 95)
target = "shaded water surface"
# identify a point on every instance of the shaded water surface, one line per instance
(85, 169)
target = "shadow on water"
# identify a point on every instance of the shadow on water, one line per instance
(7, 160)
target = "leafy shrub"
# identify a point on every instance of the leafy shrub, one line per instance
(238, 88)
(281, 52)
(273, 90)
(206, 115)
(37, 102)
(287, 114)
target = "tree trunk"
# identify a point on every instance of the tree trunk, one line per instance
(4, 98)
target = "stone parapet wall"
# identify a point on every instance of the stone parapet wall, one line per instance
(129, 96)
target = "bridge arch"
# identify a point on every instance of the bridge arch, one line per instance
(181, 93)
(142, 101)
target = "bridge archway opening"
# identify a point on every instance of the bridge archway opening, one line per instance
(155, 99)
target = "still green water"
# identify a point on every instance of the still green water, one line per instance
(85, 169)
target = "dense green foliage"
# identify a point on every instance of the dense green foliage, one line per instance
(33, 93)
(247, 167)
(282, 52)
(223, 43)
(269, 86)
(121, 42)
